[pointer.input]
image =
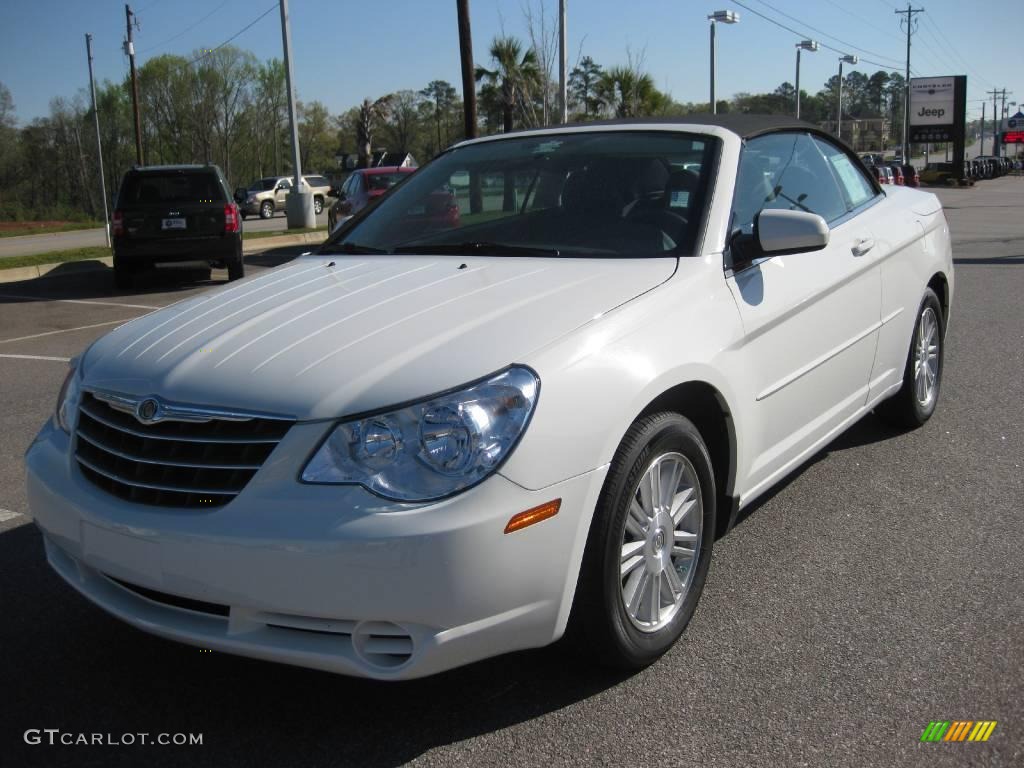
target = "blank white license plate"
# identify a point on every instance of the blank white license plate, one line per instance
(174, 224)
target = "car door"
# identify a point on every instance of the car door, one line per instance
(284, 186)
(810, 319)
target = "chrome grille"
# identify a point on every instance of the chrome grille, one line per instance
(202, 462)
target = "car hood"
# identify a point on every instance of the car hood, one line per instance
(327, 336)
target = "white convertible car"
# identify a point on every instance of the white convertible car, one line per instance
(450, 434)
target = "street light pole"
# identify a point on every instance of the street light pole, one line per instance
(803, 45)
(848, 59)
(298, 204)
(99, 144)
(563, 63)
(726, 17)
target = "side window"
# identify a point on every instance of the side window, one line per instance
(784, 171)
(286, 183)
(855, 184)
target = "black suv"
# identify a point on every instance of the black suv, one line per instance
(175, 213)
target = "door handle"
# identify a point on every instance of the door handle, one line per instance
(863, 246)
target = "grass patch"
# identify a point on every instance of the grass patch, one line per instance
(282, 233)
(55, 257)
(22, 228)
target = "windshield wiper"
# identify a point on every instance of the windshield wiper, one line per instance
(476, 247)
(348, 247)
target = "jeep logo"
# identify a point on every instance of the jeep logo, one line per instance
(925, 112)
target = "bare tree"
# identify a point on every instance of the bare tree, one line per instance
(543, 32)
(371, 114)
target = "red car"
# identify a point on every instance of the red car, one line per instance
(878, 171)
(911, 178)
(897, 174)
(361, 188)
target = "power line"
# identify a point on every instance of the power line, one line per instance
(187, 29)
(804, 35)
(825, 34)
(209, 52)
(956, 53)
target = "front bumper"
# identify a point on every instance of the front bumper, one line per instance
(329, 577)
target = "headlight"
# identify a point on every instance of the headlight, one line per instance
(432, 449)
(67, 400)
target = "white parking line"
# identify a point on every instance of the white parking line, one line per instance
(67, 330)
(39, 357)
(6, 514)
(80, 301)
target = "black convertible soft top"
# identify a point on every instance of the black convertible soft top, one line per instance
(742, 124)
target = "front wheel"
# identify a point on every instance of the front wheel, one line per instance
(915, 403)
(266, 210)
(649, 547)
(318, 205)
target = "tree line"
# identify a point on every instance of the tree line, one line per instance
(229, 108)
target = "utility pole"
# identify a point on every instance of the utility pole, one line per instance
(983, 105)
(99, 145)
(906, 86)
(476, 198)
(563, 63)
(298, 204)
(1002, 116)
(995, 122)
(129, 48)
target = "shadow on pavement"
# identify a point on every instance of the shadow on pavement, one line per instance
(73, 281)
(68, 665)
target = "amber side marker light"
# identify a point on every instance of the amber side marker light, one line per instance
(531, 516)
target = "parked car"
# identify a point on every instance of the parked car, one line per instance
(897, 173)
(424, 445)
(977, 169)
(174, 213)
(911, 177)
(890, 177)
(966, 180)
(873, 158)
(264, 197)
(362, 187)
(938, 174)
(879, 174)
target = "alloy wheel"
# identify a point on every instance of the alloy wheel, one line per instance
(661, 542)
(926, 358)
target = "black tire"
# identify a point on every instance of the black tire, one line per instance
(318, 205)
(599, 622)
(236, 269)
(124, 275)
(266, 209)
(906, 408)
(244, 214)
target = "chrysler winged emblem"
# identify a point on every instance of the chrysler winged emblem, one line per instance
(148, 411)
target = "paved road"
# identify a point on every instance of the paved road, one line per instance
(877, 589)
(87, 238)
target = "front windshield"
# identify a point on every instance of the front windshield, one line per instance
(593, 193)
(262, 185)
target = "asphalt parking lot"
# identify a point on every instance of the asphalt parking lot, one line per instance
(877, 589)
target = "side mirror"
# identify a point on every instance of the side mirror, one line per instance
(240, 194)
(780, 232)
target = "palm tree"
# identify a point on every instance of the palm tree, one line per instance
(629, 93)
(515, 75)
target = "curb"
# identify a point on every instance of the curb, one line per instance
(17, 274)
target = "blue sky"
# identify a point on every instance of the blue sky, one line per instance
(347, 50)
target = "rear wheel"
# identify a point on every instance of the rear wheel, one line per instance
(649, 546)
(236, 269)
(266, 209)
(914, 404)
(124, 275)
(318, 205)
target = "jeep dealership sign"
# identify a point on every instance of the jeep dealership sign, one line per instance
(937, 108)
